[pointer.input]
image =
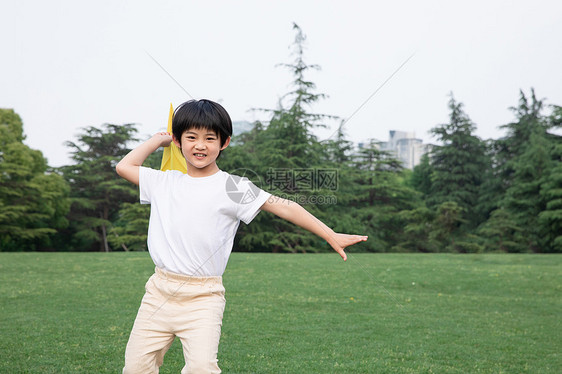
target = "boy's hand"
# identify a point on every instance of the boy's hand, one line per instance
(293, 212)
(340, 241)
(163, 138)
(129, 166)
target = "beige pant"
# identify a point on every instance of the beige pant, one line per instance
(177, 305)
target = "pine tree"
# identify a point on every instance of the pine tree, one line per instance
(420, 179)
(525, 161)
(529, 120)
(444, 235)
(550, 218)
(458, 163)
(417, 226)
(288, 140)
(491, 189)
(381, 193)
(523, 199)
(338, 151)
(285, 154)
(501, 233)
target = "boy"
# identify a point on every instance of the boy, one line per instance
(190, 236)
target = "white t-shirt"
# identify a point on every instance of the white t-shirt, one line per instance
(193, 221)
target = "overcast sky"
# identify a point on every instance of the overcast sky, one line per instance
(70, 64)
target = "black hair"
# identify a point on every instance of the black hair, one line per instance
(202, 114)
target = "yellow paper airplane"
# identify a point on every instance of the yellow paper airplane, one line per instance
(172, 159)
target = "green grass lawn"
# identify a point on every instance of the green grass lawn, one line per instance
(377, 313)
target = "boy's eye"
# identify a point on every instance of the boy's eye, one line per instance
(211, 139)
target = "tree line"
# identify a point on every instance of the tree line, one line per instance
(466, 195)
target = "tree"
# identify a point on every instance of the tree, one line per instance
(130, 227)
(33, 201)
(458, 163)
(417, 224)
(523, 199)
(96, 190)
(338, 151)
(550, 218)
(526, 159)
(281, 152)
(501, 233)
(420, 179)
(492, 188)
(288, 141)
(529, 120)
(444, 229)
(381, 192)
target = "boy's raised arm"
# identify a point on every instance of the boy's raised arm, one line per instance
(128, 167)
(293, 212)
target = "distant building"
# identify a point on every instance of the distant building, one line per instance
(404, 146)
(239, 127)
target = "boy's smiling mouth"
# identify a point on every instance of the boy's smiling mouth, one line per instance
(200, 155)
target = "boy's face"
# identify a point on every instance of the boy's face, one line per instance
(200, 147)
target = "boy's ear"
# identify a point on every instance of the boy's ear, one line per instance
(226, 143)
(176, 141)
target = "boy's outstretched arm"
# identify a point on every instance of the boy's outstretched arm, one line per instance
(128, 167)
(293, 212)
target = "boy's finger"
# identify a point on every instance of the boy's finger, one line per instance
(359, 238)
(342, 254)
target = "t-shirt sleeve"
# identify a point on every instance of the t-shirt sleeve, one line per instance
(249, 209)
(148, 181)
